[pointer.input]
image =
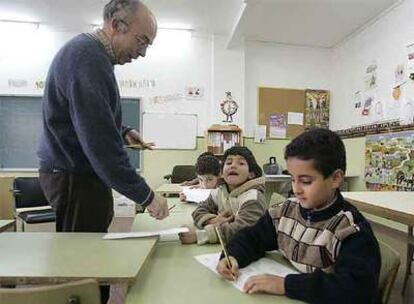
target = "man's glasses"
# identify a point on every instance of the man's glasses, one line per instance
(142, 42)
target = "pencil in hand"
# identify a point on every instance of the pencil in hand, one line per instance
(226, 255)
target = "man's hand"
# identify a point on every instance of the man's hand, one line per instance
(226, 217)
(189, 237)
(134, 138)
(265, 283)
(227, 272)
(158, 208)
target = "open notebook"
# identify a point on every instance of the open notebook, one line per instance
(261, 266)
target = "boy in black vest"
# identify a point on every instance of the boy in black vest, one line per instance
(323, 236)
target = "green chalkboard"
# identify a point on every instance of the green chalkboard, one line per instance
(21, 125)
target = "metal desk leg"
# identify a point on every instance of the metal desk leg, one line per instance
(410, 252)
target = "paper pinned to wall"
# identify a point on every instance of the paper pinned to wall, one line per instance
(295, 118)
(261, 266)
(260, 134)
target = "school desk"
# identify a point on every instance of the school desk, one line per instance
(7, 225)
(166, 189)
(172, 275)
(397, 206)
(48, 258)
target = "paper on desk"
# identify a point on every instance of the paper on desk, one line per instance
(196, 195)
(261, 266)
(114, 236)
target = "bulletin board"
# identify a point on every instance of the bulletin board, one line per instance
(279, 101)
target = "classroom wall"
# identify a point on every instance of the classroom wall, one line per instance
(273, 65)
(204, 61)
(383, 41)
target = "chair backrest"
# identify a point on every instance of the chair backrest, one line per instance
(28, 193)
(182, 173)
(79, 292)
(390, 262)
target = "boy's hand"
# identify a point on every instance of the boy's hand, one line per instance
(224, 269)
(265, 283)
(226, 217)
(182, 197)
(188, 237)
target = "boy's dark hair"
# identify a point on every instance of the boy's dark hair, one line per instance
(323, 146)
(208, 164)
(247, 155)
(205, 154)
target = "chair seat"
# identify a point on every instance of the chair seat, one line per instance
(38, 216)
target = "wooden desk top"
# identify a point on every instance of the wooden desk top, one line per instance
(6, 224)
(42, 258)
(397, 206)
(172, 275)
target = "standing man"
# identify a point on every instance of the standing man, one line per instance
(81, 150)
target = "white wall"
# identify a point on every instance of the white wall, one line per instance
(384, 41)
(227, 75)
(272, 65)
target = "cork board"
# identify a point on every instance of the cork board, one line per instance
(278, 101)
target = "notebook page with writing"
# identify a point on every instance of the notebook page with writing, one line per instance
(261, 266)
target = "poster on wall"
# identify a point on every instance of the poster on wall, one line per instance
(317, 108)
(370, 79)
(410, 55)
(278, 125)
(389, 161)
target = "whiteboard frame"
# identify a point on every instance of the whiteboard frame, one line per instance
(177, 114)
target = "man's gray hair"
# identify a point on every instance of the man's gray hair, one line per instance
(121, 10)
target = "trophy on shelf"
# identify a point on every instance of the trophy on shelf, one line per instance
(229, 107)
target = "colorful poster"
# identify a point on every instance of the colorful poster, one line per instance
(389, 161)
(317, 108)
(278, 125)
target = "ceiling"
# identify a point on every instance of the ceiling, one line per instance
(318, 23)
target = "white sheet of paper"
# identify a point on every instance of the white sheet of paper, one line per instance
(295, 118)
(261, 266)
(260, 134)
(141, 234)
(196, 195)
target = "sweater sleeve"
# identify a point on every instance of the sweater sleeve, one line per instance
(354, 279)
(207, 209)
(91, 92)
(251, 243)
(248, 214)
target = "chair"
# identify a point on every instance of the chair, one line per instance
(33, 210)
(79, 292)
(390, 262)
(181, 173)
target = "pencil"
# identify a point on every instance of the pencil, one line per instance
(226, 255)
(169, 209)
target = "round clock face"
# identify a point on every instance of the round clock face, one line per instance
(229, 107)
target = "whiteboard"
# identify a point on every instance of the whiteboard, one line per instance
(170, 131)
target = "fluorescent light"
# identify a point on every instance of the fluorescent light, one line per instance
(17, 27)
